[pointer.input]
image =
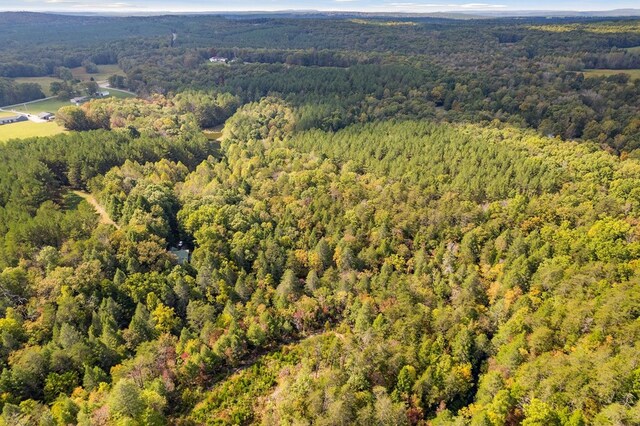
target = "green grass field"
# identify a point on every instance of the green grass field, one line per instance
(49, 105)
(634, 74)
(52, 105)
(633, 49)
(118, 93)
(598, 28)
(28, 129)
(105, 71)
(44, 82)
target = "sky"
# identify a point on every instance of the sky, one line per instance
(424, 6)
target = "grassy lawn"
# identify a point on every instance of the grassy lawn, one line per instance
(44, 82)
(105, 71)
(49, 105)
(52, 105)
(634, 74)
(118, 93)
(28, 129)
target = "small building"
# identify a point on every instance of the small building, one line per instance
(13, 119)
(183, 255)
(218, 60)
(46, 116)
(79, 100)
(102, 94)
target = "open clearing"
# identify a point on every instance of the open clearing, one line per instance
(105, 71)
(52, 105)
(634, 74)
(44, 82)
(28, 129)
(597, 28)
(214, 133)
(48, 105)
(120, 94)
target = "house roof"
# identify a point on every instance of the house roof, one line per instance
(182, 255)
(12, 118)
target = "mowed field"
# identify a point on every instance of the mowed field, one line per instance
(44, 82)
(634, 74)
(48, 105)
(52, 105)
(28, 129)
(119, 93)
(105, 71)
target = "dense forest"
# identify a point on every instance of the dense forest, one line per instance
(403, 221)
(341, 71)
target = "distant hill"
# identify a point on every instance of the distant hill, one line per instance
(41, 18)
(559, 14)
(35, 17)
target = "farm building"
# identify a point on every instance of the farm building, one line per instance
(13, 119)
(79, 100)
(102, 94)
(218, 59)
(46, 116)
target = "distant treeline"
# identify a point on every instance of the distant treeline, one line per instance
(14, 93)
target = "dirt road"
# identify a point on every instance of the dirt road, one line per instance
(104, 217)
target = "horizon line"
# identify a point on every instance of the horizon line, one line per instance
(491, 11)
